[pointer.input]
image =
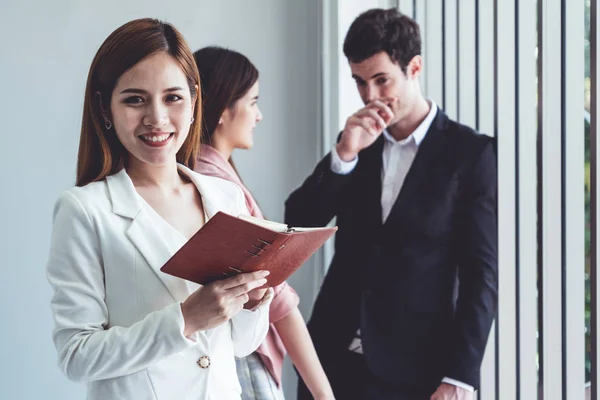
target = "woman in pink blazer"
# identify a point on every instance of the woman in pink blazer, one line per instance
(230, 94)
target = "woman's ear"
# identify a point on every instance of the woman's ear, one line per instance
(225, 116)
(194, 99)
(104, 113)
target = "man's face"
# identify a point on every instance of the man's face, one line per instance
(379, 77)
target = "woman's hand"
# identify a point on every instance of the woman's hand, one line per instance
(217, 302)
(255, 297)
(257, 294)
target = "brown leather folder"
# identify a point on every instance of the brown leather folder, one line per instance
(226, 246)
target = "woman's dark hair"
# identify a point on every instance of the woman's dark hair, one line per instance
(226, 77)
(380, 30)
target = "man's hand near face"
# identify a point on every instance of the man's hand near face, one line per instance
(364, 127)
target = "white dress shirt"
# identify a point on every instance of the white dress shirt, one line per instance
(397, 157)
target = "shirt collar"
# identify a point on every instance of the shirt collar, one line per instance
(418, 134)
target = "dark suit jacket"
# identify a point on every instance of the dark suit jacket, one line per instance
(422, 286)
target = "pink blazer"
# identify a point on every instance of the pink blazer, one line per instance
(271, 351)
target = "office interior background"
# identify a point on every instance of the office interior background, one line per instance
(524, 71)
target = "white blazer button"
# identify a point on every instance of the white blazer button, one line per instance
(204, 362)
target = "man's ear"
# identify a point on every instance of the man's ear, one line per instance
(104, 113)
(415, 67)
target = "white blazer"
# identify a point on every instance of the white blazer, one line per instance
(118, 320)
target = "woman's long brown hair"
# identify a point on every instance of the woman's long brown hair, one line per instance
(100, 151)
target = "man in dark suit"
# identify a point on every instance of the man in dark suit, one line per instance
(406, 307)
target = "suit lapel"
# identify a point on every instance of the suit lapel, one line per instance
(371, 183)
(146, 238)
(217, 198)
(423, 171)
(142, 232)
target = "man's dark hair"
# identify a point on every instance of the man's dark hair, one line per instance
(380, 30)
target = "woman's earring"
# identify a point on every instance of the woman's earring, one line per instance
(107, 125)
(192, 121)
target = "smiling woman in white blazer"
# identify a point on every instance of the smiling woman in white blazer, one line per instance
(121, 325)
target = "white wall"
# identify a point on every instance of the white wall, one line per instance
(47, 49)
